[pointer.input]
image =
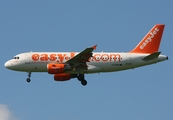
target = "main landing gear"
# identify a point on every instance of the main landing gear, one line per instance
(28, 79)
(81, 78)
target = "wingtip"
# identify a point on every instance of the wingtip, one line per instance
(94, 47)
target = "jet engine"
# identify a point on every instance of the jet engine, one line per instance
(61, 77)
(64, 76)
(58, 68)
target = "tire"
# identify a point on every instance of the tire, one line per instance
(84, 82)
(28, 80)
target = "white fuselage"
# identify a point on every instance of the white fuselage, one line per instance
(100, 62)
(67, 65)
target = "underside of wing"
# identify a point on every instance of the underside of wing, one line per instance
(79, 61)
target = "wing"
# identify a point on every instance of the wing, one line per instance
(79, 61)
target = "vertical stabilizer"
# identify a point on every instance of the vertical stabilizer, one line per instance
(151, 42)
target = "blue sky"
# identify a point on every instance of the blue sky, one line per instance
(64, 25)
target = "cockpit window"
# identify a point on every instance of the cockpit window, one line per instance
(16, 58)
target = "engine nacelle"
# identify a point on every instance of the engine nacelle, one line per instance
(61, 77)
(58, 68)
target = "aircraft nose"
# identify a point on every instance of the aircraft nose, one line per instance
(7, 65)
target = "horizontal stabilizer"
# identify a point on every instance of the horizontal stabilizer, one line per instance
(151, 56)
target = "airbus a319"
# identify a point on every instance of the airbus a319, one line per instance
(67, 65)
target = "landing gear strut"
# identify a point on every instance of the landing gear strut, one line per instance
(81, 78)
(29, 75)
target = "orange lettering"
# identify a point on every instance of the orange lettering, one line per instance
(35, 57)
(61, 57)
(115, 57)
(105, 57)
(44, 57)
(52, 57)
(96, 57)
(72, 54)
(66, 57)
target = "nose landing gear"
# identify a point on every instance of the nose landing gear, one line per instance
(29, 75)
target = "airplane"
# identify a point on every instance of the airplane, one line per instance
(67, 65)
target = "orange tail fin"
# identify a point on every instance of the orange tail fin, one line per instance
(151, 42)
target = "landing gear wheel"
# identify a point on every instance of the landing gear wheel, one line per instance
(29, 75)
(28, 80)
(83, 82)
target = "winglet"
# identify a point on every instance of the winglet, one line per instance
(151, 42)
(94, 47)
